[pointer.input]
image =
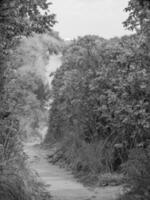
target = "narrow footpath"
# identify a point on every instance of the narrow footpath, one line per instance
(60, 183)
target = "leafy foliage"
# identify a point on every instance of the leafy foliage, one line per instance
(101, 97)
(17, 19)
(138, 163)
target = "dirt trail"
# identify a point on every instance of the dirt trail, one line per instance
(61, 183)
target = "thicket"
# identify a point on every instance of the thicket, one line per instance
(100, 111)
(18, 19)
(31, 87)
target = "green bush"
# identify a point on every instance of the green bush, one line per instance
(137, 170)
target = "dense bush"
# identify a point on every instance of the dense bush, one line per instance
(17, 19)
(17, 182)
(94, 96)
(138, 170)
(101, 100)
(29, 89)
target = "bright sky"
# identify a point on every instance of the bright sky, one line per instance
(82, 17)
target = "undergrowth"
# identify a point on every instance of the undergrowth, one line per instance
(18, 182)
(138, 172)
(87, 162)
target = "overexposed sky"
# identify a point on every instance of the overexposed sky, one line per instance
(82, 17)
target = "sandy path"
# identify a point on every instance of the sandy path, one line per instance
(61, 183)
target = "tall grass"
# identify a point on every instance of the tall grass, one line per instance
(17, 182)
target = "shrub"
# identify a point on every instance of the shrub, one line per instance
(137, 170)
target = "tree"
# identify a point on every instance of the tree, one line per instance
(18, 19)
